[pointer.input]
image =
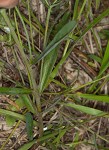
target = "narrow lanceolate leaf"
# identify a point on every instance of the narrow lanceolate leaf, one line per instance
(95, 57)
(105, 61)
(15, 115)
(27, 145)
(46, 68)
(29, 126)
(12, 114)
(85, 109)
(12, 91)
(59, 37)
(28, 103)
(104, 66)
(61, 134)
(101, 98)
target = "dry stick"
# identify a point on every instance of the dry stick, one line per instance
(29, 71)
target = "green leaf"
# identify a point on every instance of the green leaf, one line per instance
(58, 138)
(14, 91)
(59, 37)
(34, 26)
(14, 115)
(10, 121)
(85, 109)
(96, 58)
(104, 66)
(24, 101)
(46, 68)
(63, 21)
(29, 126)
(20, 103)
(105, 61)
(27, 145)
(101, 98)
(28, 103)
(75, 13)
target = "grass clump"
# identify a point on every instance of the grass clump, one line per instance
(59, 88)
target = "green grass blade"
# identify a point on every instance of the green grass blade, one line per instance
(59, 37)
(15, 115)
(47, 66)
(75, 13)
(58, 83)
(95, 57)
(12, 114)
(81, 10)
(29, 126)
(63, 17)
(27, 145)
(25, 29)
(46, 27)
(105, 61)
(14, 91)
(31, 28)
(95, 21)
(34, 26)
(87, 110)
(28, 103)
(10, 121)
(101, 98)
(61, 134)
(104, 66)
